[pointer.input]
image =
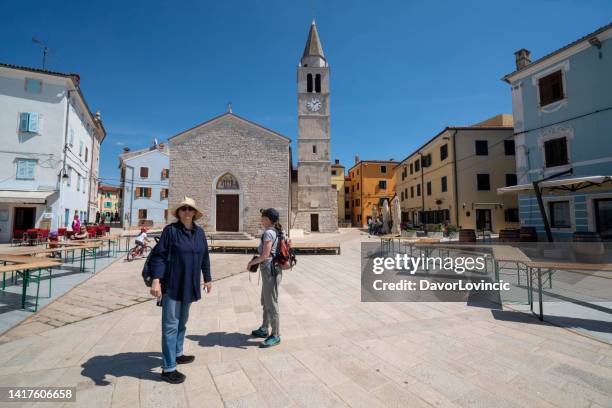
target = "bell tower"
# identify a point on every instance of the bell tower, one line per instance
(316, 201)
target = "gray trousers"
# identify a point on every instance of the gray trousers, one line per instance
(269, 297)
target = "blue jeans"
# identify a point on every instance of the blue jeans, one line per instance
(174, 321)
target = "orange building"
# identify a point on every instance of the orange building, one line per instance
(370, 182)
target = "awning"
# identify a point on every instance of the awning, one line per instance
(24, 197)
(569, 184)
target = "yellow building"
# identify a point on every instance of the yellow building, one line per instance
(454, 177)
(109, 202)
(337, 181)
(370, 183)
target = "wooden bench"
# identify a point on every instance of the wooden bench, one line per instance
(26, 269)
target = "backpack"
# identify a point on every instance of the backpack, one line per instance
(146, 269)
(284, 258)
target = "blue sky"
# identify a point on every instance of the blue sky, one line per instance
(400, 70)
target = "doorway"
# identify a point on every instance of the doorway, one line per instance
(483, 220)
(603, 217)
(314, 222)
(227, 213)
(25, 218)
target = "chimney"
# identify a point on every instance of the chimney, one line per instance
(337, 161)
(126, 149)
(357, 159)
(523, 58)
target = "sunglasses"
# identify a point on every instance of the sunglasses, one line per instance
(186, 208)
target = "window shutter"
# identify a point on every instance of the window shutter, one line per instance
(148, 190)
(24, 118)
(21, 170)
(33, 123)
(31, 165)
(137, 192)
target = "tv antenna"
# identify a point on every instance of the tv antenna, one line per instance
(45, 49)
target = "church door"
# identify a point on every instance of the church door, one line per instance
(227, 212)
(314, 222)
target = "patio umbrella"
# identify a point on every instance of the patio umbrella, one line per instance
(386, 216)
(374, 213)
(396, 215)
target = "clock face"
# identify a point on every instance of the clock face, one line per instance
(314, 104)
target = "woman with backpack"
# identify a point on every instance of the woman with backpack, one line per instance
(271, 276)
(176, 263)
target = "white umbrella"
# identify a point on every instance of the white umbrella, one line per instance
(397, 215)
(386, 215)
(374, 213)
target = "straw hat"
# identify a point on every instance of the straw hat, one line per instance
(189, 202)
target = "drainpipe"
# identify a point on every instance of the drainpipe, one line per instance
(131, 194)
(455, 178)
(63, 169)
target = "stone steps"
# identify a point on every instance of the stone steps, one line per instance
(224, 235)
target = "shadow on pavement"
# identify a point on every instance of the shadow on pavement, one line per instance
(137, 365)
(224, 339)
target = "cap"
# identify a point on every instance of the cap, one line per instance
(270, 213)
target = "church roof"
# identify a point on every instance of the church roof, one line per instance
(313, 44)
(230, 114)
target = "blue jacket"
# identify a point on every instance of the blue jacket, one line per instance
(179, 272)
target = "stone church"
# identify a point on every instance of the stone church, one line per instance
(234, 167)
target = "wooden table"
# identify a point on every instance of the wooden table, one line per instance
(110, 239)
(69, 248)
(26, 269)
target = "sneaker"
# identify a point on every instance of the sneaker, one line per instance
(261, 332)
(270, 341)
(173, 377)
(184, 359)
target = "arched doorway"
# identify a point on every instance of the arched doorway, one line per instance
(227, 203)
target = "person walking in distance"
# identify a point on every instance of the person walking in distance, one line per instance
(176, 263)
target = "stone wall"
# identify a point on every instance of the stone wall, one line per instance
(258, 158)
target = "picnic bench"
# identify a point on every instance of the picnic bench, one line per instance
(26, 270)
(83, 248)
(251, 246)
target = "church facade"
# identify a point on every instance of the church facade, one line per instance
(234, 167)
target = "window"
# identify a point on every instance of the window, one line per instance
(142, 214)
(402, 196)
(511, 215)
(559, 214)
(144, 172)
(429, 188)
(483, 183)
(318, 83)
(511, 180)
(411, 168)
(69, 178)
(334, 172)
(71, 139)
(418, 190)
(383, 169)
(346, 190)
(382, 184)
(443, 152)
(551, 88)
(142, 192)
(80, 148)
(357, 186)
(435, 217)
(411, 191)
(509, 147)
(33, 85)
(25, 169)
(29, 122)
(347, 204)
(417, 165)
(108, 204)
(107, 195)
(357, 203)
(165, 173)
(482, 147)
(353, 188)
(166, 214)
(314, 149)
(163, 194)
(309, 83)
(78, 182)
(444, 184)
(555, 152)
(426, 160)
(334, 186)
(86, 153)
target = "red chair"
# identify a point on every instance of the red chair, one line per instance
(91, 232)
(19, 237)
(44, 234)
(33, 236)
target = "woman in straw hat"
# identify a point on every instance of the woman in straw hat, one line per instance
(176, 263)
